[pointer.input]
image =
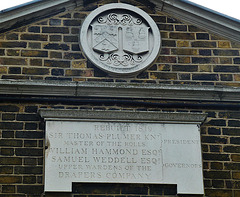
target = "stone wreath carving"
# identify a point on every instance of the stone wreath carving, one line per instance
(117, 39)
(116, 19)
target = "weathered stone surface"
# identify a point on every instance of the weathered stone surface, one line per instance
(122, 42)
(122, 147)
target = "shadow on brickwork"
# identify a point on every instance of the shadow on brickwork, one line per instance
(120, 190)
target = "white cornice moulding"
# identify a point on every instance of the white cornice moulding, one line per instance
(119, 90)
(126, 116)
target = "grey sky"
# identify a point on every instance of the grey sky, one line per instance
(229, 7)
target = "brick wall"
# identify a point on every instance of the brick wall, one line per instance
(49, 50)
(22, 142)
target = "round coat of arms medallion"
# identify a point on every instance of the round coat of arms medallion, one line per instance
(120, 39)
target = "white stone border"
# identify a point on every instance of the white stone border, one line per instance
(184, 123)
(118, 72)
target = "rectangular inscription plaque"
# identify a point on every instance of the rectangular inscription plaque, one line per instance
(123, 152)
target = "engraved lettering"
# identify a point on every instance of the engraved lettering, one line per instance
(55, 135)
(120, 176)
(114, 160)
(182, 142)
(120, 152)
(181, 165)
(115, 151)
(68, 159)
(69, 150)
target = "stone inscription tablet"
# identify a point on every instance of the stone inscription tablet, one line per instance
(123, 152)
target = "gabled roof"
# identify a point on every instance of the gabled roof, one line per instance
(34, 11)
(182, 9)
(202, 17)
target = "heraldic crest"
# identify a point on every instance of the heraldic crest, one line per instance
(119, 40)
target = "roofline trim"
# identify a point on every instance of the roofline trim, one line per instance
(202, 17)
(19, 6)
(23, 14)
(189, 12)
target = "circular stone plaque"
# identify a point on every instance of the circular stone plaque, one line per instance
(120, 39)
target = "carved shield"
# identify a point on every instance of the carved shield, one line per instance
(105, 38)
(135, 39)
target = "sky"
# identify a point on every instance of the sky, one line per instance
(229, 7)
